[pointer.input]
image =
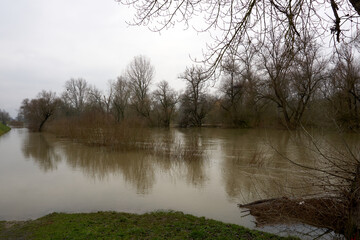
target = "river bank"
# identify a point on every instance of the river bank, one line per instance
(3, 129)
(113, 225)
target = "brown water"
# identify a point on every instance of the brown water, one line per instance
(40, 174)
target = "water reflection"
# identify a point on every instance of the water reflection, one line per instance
(182, 157)
(253, 169)
(41, 151)
(100, 164)
(187, 170)
(194, 158)
(249, 166)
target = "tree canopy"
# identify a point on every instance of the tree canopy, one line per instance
(235, 21)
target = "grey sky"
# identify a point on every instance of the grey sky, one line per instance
(44, 43)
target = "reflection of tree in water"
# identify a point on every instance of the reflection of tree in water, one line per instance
(181, 154)
(140, 168)
(182, 158)
(40, 149)
(99, 163)
(195, 172)
(194, 160)
(252, 170)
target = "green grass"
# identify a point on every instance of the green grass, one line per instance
(112, 225)
(3, 129)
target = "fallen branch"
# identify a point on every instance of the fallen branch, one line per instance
(257, 202)
(319, 212)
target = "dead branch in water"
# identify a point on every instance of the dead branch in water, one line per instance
(257, 202)
(319, 212)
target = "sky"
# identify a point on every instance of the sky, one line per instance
(44, 43)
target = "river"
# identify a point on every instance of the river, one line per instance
(41, 174)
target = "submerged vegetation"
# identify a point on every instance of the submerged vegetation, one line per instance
(94, 130)
(112, 225)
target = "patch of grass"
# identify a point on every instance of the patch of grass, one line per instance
(112, 225)
(3, 129)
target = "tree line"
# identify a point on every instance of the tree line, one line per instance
(4, 117)
(275, 85)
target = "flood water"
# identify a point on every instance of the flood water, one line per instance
(41, 174)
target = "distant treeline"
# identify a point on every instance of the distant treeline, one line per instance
(277, 86)
(4, 117)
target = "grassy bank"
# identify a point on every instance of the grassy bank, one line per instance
(3, 129)
(111, 225)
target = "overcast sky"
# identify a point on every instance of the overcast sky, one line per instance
(44, 43)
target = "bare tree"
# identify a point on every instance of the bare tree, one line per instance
(166, 98)
(109, 97)
(4, 117)
(232, 21)
(232, 88)
(292, 76)
(307, 74)
(76, 94)
(247, 57)
(121, 97)
(343, 89)
(277, 59)
(194, 102)
(100, 101)
(95, 99)
(140, 74)
(39, 110)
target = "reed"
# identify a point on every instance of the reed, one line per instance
(98, 130)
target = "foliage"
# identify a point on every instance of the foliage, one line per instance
(112, 225)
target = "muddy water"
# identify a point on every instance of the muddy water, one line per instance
(40, 174)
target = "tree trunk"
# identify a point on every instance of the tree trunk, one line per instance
(356, 5)
(43, 122)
